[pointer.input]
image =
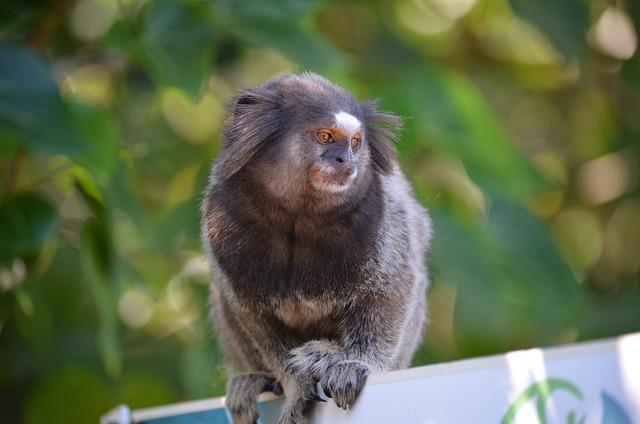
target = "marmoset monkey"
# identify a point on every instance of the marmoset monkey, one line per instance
(317, 247)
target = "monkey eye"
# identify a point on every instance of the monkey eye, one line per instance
(355, 141)
(324, 137)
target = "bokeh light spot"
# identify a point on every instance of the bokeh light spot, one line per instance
(614, 35)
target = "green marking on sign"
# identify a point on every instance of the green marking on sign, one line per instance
(543, 390)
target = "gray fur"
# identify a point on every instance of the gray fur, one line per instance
(317, 250)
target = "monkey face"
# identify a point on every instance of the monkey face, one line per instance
(324, 155)
(336, 166)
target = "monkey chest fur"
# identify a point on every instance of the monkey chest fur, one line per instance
(296, 261)
(293, 263)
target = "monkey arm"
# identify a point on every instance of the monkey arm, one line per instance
(371, 341)
(273, 343)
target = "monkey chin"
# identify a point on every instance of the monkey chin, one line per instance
(332, 181)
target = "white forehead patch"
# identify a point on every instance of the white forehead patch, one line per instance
(348, 122)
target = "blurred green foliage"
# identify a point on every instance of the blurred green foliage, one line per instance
(522, 139)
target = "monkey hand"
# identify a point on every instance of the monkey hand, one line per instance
(344, 381)
(242, 395)
(326, 361)
(314, 358)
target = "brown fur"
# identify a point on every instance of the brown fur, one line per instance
(318, 250)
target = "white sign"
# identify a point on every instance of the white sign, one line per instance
(586, 383)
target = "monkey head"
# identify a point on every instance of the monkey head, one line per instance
(301, 136)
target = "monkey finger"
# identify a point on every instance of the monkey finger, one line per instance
(275, 387)
(344, 381)
(242, 395)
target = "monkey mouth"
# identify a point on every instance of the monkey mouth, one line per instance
(331, 179)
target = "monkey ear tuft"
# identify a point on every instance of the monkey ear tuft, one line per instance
(382, 129)
(251, 124)
(247, 99)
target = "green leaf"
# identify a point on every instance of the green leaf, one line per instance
(100, 273)
(511, 269)
(283, 25)
(565, 22)
(140, 390)
(32, 111)
(450, 111)
(477, 285)
(536, 274)
(27, 222)
(96, 126)
(631, 71)
(175, 43)
(526, 240)
(76, 394)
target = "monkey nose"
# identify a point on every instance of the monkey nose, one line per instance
(342, 159)
(345, 165)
